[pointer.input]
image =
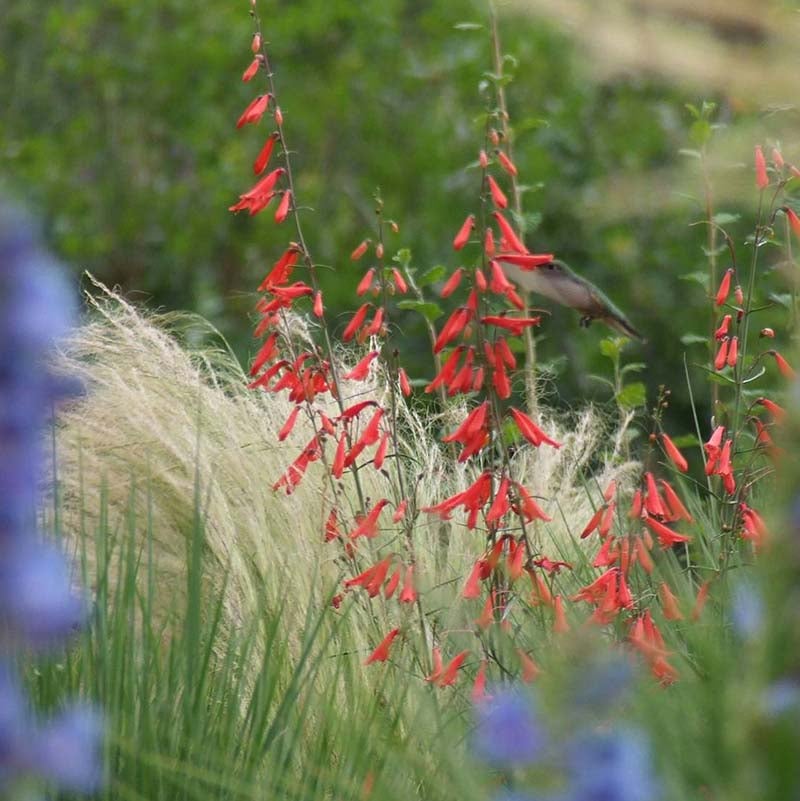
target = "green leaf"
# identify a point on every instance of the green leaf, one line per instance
(468, 26)
(432, 276)
(633, 367)
(402, 257)
(700, 132)
(693, 339)
(633, 395)
(430, 311)
(610, 348)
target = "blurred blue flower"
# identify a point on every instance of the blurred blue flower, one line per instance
(509, 730)
(611, 765)
(611, 676)
(781, 697)
(37, 602)
(747, 610)
(67, 750)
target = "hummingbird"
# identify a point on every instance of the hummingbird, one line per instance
(555, 280)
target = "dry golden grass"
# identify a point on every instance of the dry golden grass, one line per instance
(160, 415)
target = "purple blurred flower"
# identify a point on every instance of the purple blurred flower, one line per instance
(509, 730)
(611, 766)
(781, 697)
(747, 610)
(66, 750)
(37, 600)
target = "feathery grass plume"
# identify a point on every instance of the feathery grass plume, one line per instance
(160, 414)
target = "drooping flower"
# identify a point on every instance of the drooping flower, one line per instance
(254, 111)
(381, 653)
(675, 456)
(498, 197)
(724, 287)
(260, 164)
(462, 237)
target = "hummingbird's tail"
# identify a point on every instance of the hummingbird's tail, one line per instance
(623, 326)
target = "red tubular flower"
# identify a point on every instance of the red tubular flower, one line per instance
(498, 198)
(452, 283)
(374, 328)
(506, 163)
(448, 370)
(675, 456)
(282, 212)
(733, 352)
(486, 617)
(332, 527)
(451, 671)
(454, 326)
(607, 555)
(265, 353)
(669, 603)
(399, 281)
(652, 501)
(783, 365)
(794, 220)
(255, 45)
(400, 512)
(472, 587)
(360, 250)
(777, 158)
(700, 601)
(318, 308)
(636, 505)
(437, 666)
(528, 507)
(488, 243)
(391, 585)
(500, 381)
(530, 670)
(530, 430)
(515, 325)
(380, 454)
(278, 115)
(289, 424)
(282, 269)
(366, 282)
(526, 261)
(408, 594)
(405, 385)
(541, 592)
(500, 504)
(676, 507)
(722, 331)
(266, 153)
(462, 237)
(666, 536)
(499, 283)
(560, 624)
(606, 521)
(381, 653)
(479, 686)
(254, 111)
(713, 448)
(368, 527)
(252, 69)
(753, 526)
(778, 412)
(593, 523)
(722, 354)
(473, 423)
(724, 287)
(516, 560)
(510, 240)
(643, 556)
(361, 370)
(762, 179)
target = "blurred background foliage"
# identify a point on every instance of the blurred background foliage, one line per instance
(118, 129)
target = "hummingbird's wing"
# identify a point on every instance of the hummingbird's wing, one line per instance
(558, 282)
(552, 282)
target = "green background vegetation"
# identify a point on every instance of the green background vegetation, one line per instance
(118, 128)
